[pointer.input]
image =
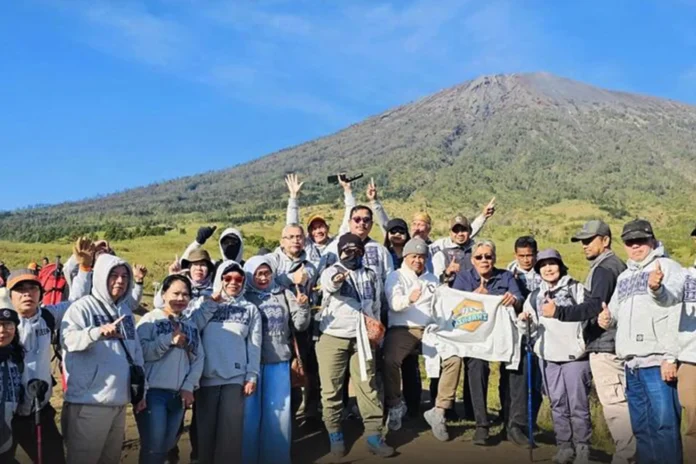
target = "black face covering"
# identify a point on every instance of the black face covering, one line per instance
(231, 246)
(352, 262)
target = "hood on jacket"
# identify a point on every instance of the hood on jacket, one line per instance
(103, 266)
(240, 254)
(658, 252)
(224, 267)
(250, 268)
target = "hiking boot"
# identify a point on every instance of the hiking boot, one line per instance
(377, 446)
(436, 421)
(395, 415)
(481, 436)
(517, 437)
(338, 446)
(582, 454)
(564, 455)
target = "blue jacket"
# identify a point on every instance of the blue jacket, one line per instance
(501, 282)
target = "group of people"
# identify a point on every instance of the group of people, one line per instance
(246, 343)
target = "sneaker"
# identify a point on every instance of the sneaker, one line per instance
(377, 446)
(517, 437)
(481, 436)
(582, 454)
(396, 414)
(436, 421)
(338, 446)
(564, 455)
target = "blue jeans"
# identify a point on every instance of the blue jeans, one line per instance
(655, 416)
(158, 425)
(267, 418)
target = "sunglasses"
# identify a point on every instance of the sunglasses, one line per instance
(236, 278)
(398, 230)
(362, 219)
(637, 241)
(460, 229)
(481, 257)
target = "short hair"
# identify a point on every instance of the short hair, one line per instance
(361, 208)
(293, 225)
(484, 243)
(527, 241)
(170, 279)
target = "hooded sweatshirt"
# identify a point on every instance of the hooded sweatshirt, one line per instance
(554, 340)
(376, 257)
(398, 288)
(647, 322)
(239, 257)
(96, 368)
(80, 282)
(283, 266)
(169, 367)
(687, 321)
(279, 309)
(13, 384)
(231, 339)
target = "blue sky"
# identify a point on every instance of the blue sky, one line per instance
(98, 96)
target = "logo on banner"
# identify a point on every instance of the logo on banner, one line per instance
(469, 315)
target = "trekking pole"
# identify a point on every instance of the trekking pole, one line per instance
(38, 389)
(530, 406)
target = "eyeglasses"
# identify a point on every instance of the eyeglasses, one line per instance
(362, 219)
(236, 278)
(482, 257)
(398, 231)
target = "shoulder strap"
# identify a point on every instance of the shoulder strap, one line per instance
(533, 299)
(48, 317)
(111, 319)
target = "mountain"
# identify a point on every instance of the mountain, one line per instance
(530, 139)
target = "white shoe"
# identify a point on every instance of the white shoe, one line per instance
(395, 415)
(564, 455)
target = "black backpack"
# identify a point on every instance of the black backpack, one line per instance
(50, 321)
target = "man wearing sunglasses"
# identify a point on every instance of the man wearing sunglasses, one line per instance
(482, 277)
(455, 251)
(645, 310)
(607, 369)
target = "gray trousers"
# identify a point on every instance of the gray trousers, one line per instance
(568, 387)
(220, 417)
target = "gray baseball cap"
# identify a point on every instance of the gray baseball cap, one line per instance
(592, 229)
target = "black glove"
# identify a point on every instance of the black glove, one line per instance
(204, 233)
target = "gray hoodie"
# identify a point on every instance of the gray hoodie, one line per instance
(169, 367)
(687, 321)
(229, 231)
(96, 368)
(283, 265)
(231, 339)
(278, 308)
(646, 321)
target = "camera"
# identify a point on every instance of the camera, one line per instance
(334, 179)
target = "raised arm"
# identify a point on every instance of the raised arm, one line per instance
(381, 216)
(349, 201)
(292, 215)
(202, 236)
(480, 221)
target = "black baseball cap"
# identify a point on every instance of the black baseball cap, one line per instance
(638, 229)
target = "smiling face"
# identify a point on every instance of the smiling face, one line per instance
(177, 297)
(415, 262)
(550, 270)
(483, 259)
(199, 270)
(638, 249)
(25, 298)
(263, 277)
(420, 229)
(397, 236)
(117, 282)
(460, 234)
(7, 332)
(361, 223)
(319, 231)
(233, 282)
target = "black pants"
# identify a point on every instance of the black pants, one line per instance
(477, 371)
(412, 385)
(24, 435)
(8, 457)
(513, 393)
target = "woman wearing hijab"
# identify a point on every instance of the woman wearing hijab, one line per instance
(13, 379)
(267, 414)
(232, 344)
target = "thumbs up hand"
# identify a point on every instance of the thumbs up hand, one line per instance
(604, 319)
(548, 309)
(655, 279)
(415, 295)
